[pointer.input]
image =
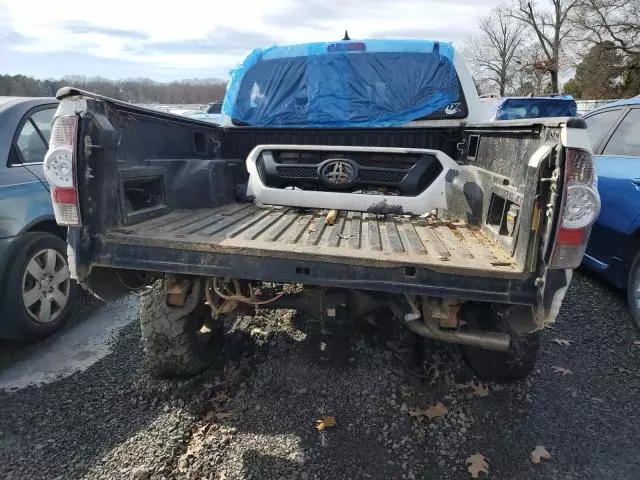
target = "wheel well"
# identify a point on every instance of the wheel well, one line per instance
(49, 226)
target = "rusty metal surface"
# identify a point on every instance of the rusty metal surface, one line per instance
(355, 238)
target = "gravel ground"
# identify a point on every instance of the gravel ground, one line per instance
(252, 415)
(84, 306)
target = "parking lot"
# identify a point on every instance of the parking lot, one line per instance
(253, 415)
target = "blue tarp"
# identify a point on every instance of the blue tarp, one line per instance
(370, 83)
(535, 107)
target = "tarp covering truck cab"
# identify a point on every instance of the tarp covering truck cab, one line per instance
(377, 83)
(465, 231)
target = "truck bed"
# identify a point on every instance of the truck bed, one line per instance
(355, 238)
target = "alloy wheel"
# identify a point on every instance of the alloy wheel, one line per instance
(46, 286)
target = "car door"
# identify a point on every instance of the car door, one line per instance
(24, 197)
(618, 169)
(31, 140)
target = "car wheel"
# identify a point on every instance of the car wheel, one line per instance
(633, 290)
(38, 289)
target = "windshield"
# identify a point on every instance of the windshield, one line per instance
(347, 89)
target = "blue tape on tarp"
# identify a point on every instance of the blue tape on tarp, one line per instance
(370, 83)
(535, 107)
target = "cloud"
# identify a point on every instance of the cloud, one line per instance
(224, 39)
(204, 37)
(444, 34)
(79, 28)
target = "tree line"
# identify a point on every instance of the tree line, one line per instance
(526, 47)
(141, 90)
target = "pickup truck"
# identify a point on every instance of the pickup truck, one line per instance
(466, 231)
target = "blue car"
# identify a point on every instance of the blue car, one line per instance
(35, 286)
(614, 245)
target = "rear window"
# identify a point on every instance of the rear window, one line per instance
(347, 89)
(519, 108)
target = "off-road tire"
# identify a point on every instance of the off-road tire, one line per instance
(504, 367)
(170, 335)
(633, 291)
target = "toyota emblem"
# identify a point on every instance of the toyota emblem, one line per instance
(338, 172)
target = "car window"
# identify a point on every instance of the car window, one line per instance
(599, 124)
(42, 119)
(30, 144)
(626, 139)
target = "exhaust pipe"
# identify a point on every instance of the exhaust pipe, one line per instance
(487, 340)
(428, 328)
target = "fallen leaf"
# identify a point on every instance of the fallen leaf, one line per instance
(477, 464)
(624, 370)
(539, 453)
(636, 343)
(562, 341)
(403, 408)
(479, 389)
(563, 371)
(435, 411)
(325, 422)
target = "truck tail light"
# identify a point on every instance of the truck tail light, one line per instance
(60, 170)
(579, 209)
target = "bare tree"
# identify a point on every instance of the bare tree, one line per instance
(493, 55)
(615, 23)
(531, 77)
(551, 26)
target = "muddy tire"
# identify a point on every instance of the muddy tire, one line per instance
(504, 367)
(171, 336)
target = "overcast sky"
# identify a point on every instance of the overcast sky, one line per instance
(203, 38)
